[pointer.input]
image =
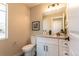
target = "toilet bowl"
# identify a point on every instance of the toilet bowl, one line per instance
(29, 50)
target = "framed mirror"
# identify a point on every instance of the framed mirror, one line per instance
(54, 20)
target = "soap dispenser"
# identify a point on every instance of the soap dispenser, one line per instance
(50, 32)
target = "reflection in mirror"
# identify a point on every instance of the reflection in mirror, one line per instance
(57, 25)
(54, 21)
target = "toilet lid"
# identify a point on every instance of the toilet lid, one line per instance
(28, 47)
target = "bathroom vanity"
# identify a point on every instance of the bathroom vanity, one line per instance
(48, 45)
(52, 46)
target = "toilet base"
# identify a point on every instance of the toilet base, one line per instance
(30, 53)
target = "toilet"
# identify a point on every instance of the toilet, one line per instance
(29, 50)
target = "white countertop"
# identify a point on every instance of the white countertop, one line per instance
(52, 36)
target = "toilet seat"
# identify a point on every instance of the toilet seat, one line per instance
(28, 47)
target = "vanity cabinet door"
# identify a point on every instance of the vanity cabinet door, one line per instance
(51, 47)
(41, 49)
(47, 46)
(51, 50)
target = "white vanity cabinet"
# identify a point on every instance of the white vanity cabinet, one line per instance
(47, 46)
(52, 50)
(63, 48)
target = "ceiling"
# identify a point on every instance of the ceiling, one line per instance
(30, 5)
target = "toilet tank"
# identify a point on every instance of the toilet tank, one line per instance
(33, 40)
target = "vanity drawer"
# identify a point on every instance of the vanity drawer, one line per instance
(65, 53)
(63, 43)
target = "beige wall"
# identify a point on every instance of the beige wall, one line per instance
(37, 13)
(18, 29)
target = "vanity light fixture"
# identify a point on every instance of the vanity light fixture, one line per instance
(53, 5)
(54, 8)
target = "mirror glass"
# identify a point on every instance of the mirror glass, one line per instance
(54, 21)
